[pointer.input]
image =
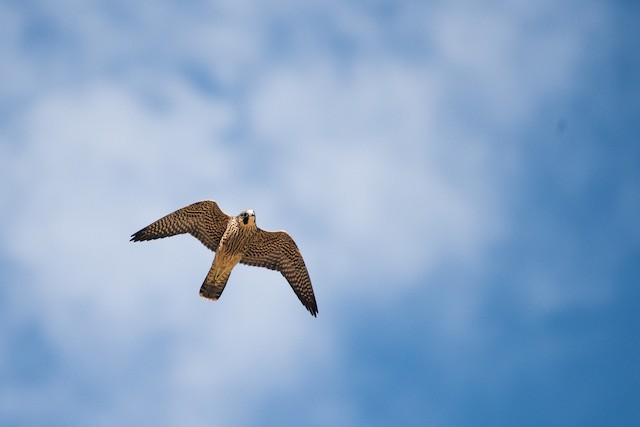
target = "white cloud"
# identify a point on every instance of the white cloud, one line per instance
(93, 168)
(365, 157)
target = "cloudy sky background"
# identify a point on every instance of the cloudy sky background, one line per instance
(462, 179)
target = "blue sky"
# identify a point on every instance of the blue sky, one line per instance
(462, 180)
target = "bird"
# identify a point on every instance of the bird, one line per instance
(235, 239)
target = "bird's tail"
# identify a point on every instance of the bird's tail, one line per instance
(214, 284)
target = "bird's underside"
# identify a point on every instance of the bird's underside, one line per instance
(235, 240)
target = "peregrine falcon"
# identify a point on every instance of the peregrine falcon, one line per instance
(235, 239)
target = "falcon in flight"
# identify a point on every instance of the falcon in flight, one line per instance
(235, 239)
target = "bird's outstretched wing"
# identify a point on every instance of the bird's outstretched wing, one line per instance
(276, 250)
(203, 220)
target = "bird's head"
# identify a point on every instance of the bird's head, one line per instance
(247, 217)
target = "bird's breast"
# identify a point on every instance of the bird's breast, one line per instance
(235, 240)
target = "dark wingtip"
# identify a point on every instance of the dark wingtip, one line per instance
(137, 237)
(313, 310)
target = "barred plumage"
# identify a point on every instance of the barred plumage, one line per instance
(235, 239)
